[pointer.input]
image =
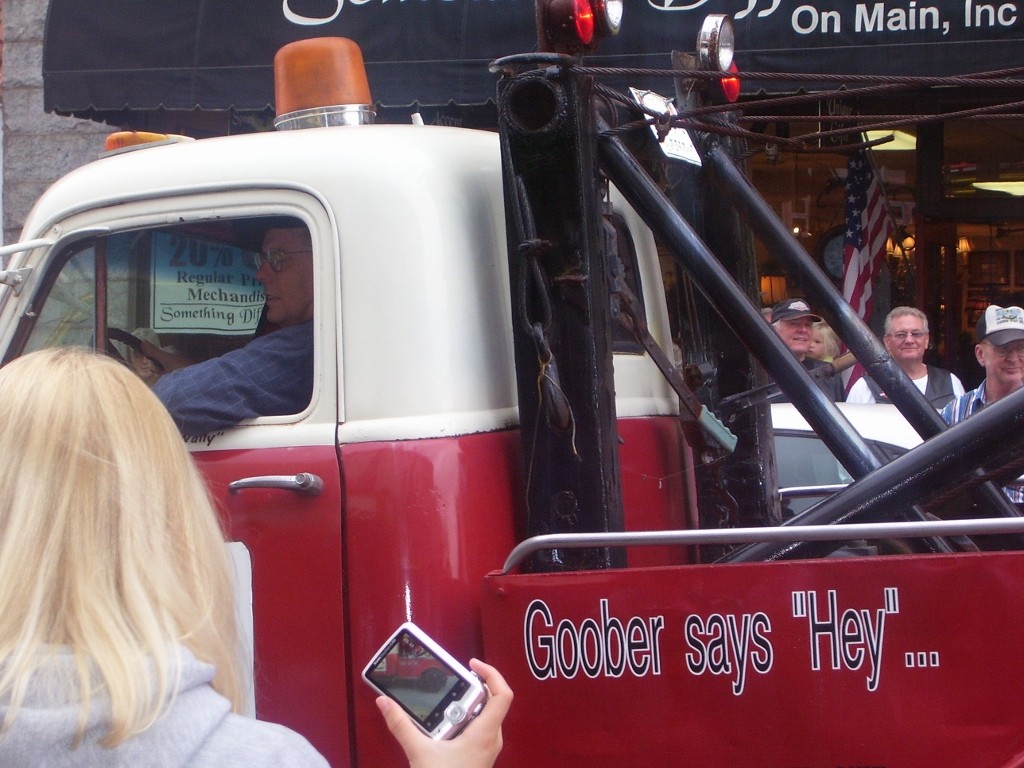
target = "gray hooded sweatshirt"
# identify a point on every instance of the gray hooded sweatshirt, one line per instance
(198, 730)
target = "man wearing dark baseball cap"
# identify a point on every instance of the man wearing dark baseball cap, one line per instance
(793, 309)
(1000, 351)
(793, 320)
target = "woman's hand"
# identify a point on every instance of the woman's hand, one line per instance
(476, 747)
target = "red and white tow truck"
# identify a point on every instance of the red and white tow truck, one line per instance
(492, 453)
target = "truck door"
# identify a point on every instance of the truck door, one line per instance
(190, 287)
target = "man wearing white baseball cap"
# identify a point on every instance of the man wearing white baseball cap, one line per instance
(1000, 351)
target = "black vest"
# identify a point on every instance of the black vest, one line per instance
(938, 391)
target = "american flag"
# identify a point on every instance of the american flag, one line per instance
(868, 226)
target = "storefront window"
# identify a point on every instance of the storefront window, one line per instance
(982, 159)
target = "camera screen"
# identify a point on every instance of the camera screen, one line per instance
(419, 681)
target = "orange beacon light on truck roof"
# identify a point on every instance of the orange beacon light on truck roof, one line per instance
(321, 82)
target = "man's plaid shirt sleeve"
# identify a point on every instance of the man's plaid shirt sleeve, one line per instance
(272, 375)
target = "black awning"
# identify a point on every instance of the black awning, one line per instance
(115, 59)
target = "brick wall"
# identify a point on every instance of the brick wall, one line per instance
(38, 148)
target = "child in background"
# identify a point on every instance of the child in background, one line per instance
(824, 344)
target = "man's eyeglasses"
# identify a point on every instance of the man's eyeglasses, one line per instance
(274, 258)
(1005, 350)
(904, 335)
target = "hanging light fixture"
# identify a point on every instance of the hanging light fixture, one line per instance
(773, 289)
(901, 140)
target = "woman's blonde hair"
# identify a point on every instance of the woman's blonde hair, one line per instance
(109, 544)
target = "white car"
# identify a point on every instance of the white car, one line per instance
(808, 472)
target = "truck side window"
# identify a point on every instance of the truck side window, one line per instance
(193, 286)
(195, 294)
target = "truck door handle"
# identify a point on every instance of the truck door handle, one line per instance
(304, 483)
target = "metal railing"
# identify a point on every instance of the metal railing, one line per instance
(787, 533)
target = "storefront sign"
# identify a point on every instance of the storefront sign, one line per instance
(218, 54)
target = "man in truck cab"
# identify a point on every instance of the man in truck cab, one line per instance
(272, 375)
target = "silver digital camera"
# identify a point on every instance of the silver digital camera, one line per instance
(438, 692)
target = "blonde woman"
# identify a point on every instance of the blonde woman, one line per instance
(117, 635)
(117, 631)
